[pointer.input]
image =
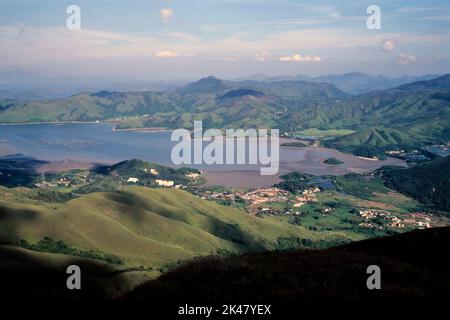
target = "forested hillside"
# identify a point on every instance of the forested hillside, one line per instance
(429, 183)
(410, 115)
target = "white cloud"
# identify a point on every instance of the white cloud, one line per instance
(299, 58)
(389, 45)
(56, 49)
(166, 14)
(407, 58)
(166, 54)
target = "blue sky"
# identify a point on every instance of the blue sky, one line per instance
(188, 39)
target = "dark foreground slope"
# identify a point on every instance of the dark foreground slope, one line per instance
(37, 276)
(413, 266)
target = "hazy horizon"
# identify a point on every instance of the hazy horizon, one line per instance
(20, 76)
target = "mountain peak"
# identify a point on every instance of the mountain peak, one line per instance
(210, 79)
(204, 85)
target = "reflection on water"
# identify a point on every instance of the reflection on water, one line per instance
(70, 143)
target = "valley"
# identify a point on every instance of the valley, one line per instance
(93, 182)
(230, 157)
(126, 219)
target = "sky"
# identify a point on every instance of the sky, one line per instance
(189, 39)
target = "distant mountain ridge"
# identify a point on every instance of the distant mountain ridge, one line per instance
(20, 85)
(202, 99)
(352, 82)
(24, 86)
(408, 115)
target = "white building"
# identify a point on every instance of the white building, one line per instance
(164, 183)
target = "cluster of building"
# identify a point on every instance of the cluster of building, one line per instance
(259, 201)
(45, 185)
(220, 196)
(66, 181)
(163, 182)
(152, 171)
(193, 175)
(307, 196)
(370, 225)
(369, 215)
(265, 195)
(159, 182)
(254, 199)
(420, 219)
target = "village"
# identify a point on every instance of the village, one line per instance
(264, 200)
(378, 219)
(273, 201)
(267, 201)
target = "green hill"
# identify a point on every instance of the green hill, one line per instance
(429, 182)
(377, 137)
(409, 115)
(27, 274)
(142, 226)
(22, 171)
(411, 264)
(206, 99)
(374, 141)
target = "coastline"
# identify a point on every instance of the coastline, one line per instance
(308, 159)
(148, 129)
(66, 165)
(239, 178)
(55, 122)
(154, 129)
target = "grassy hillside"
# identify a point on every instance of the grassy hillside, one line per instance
(411, 264)
(376, 137)
(27, 274)
(142, 226)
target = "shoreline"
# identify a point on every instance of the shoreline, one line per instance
(66, 165)
(308, 159)
(145, 129)
(142, 129)
(56, 122)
